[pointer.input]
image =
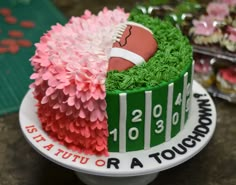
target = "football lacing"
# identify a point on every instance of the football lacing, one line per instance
(119, 32)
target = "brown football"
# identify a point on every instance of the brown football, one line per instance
(133, 45)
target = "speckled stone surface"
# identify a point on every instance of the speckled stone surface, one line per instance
(214, 165)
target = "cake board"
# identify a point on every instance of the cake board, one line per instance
(139, 167)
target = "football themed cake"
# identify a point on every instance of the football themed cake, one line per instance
(112, 82)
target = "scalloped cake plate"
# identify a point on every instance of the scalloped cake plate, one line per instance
(194, 137)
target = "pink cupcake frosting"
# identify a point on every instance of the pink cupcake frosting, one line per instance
(203, 66)
(218, 10)
(205, 26)
(70, 66)
(229, 74)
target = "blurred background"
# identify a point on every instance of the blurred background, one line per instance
(23, 22)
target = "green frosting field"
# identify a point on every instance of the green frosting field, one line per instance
(172, 58)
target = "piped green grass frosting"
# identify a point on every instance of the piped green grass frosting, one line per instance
(173, 57)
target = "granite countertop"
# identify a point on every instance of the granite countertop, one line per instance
(214, 165)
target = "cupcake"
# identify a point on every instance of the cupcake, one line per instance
(229, 39)
(217, 10)
(204, 73)
(220, 12)
(207, 30)
(226, 80)
(231, 4)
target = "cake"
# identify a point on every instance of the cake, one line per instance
(90, 109)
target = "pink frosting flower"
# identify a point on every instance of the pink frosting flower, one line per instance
(232, 33)
(218, 10)
(87, 14)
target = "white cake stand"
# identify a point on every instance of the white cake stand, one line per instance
(132, 168)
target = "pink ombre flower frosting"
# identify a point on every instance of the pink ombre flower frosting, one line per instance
(218, 10)
(70, 66)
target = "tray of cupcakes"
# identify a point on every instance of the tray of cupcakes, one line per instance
(213, 36)
(211, 28)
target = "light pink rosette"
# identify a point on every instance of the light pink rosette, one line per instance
(70, 66)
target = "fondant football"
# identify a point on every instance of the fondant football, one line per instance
(133, 44)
